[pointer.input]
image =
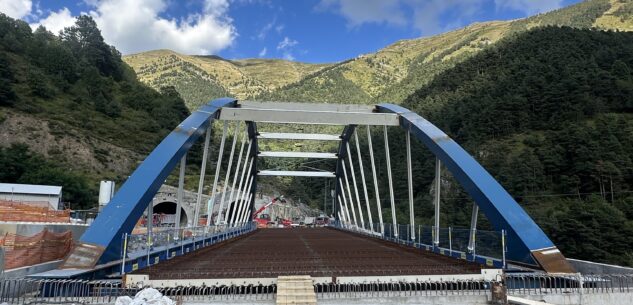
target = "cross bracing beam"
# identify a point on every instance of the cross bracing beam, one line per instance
(308, 106)
(308, 117)
(295, 154)
(298, 136)
(314, 174)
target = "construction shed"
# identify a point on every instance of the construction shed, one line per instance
(38, 195)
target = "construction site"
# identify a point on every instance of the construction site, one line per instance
(151, 243)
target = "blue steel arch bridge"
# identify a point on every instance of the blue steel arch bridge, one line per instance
(214, 251)
(526, 244)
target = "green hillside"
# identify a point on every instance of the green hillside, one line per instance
(71, 112)
(393, 73)
(550, 114)
(201, 78)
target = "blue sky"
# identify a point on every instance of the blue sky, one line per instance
(303, 30)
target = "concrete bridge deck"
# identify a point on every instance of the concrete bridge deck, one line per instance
(319, 252)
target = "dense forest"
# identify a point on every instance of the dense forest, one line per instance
(75, 81)
(550, 114)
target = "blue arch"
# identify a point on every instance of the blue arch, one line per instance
(527, 243)
(127, 206)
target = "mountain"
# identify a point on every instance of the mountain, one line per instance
(72, 112)
(549, 113)
(201, 78)
(391, 74)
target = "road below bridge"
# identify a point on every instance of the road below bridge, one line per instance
(319, 252)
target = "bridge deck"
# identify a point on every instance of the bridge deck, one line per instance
(306, 251)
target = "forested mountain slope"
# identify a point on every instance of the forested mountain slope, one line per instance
(393, 73)
(201, 78)
(390, 74)
(71, 112)
(550, 114)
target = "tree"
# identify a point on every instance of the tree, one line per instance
(85, 41)
(7, 95)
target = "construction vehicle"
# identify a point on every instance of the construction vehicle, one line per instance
(264, 220)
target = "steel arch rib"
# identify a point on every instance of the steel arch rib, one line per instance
(527, 243)
(127, 206)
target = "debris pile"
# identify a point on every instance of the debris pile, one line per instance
(147, 296)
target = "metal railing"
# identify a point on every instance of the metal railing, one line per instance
(159, 244)
(537, 284)
(33, 291)
(402, 289)
(453, 241)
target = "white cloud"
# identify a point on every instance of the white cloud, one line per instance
(287, 43)
(358, 12)
(56, 21)
(429, 16)
(264, 31)
(263, 52)
(137, 25)
(286, 46)
(289, 56)
(529, 7)
(16, 8)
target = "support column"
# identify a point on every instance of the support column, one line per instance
(391, 196)
(349, 192)
(351, 166)
(438, 183)
(179, 195)
(345, 208)
(150, 223)
(203, 169)
(410, 187)
(246, 195)
(362, 176)
(234, 217)
(220, 217)
(473, 228)
(242, 203)
(218, 166)
(373, 172)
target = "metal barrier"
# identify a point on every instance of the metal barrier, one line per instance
(149, 248)
(402, 289)
(485, 247)
(536, 284)
(29, 291)
(32, 291)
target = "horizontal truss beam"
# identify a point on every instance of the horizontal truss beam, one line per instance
(308, 117)
(308, 106)
(294, 154)
(296, 174)
(298, 136)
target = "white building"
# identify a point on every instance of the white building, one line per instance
(39, 195)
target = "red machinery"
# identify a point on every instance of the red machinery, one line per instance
(264, 220)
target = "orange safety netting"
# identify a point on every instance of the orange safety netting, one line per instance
(21, 211)
(42, 247)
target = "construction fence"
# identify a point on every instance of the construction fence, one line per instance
(31, 212)
(20, 251)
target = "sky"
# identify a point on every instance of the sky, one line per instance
(316, 31)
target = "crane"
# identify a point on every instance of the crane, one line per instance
(263, 219)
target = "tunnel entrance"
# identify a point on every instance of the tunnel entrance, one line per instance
(165, 214)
